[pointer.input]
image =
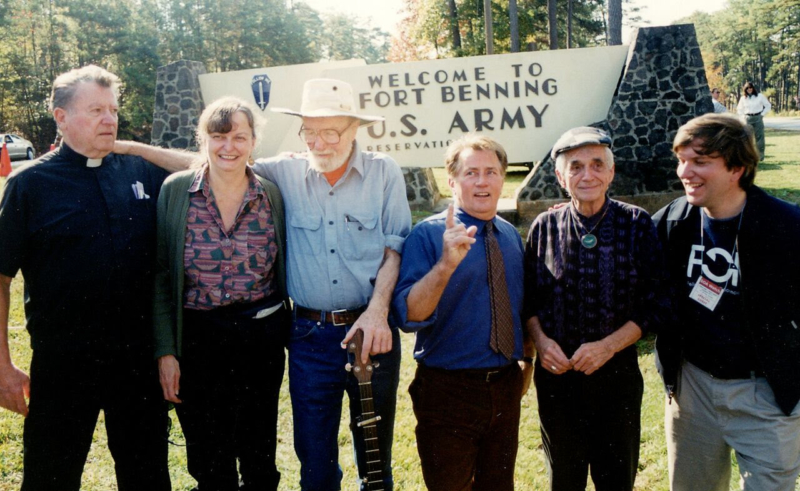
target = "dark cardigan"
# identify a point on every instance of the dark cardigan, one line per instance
(173, 204)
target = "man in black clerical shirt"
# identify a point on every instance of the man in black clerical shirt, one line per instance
(80, 225)
(730, 363)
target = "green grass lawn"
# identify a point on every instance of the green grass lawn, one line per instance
(780, 175)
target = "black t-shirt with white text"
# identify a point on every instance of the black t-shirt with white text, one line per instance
(719, 341)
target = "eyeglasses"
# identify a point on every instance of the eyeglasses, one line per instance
(329, 136)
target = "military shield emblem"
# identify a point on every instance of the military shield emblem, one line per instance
(261, 85)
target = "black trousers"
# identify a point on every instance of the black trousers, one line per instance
(467, 427)
(231, 375)
(592, 422)
(68, 390)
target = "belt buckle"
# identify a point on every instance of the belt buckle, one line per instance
(491, 374)
(333, 317)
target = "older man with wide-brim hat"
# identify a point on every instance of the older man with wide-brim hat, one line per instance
(327, 97)
(593, 270)
(347, 217)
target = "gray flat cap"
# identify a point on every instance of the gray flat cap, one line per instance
(579, 137)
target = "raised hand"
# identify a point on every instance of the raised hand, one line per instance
(457, 241)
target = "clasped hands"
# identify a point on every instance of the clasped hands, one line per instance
(588, 358)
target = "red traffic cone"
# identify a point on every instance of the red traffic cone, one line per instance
(5, 162)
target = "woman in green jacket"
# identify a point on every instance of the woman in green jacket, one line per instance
(221, 316)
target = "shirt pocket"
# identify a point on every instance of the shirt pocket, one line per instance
(306, 237)
(363, 239)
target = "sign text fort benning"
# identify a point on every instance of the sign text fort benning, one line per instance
(523, 100)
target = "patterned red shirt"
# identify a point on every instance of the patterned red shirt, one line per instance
(234, 267)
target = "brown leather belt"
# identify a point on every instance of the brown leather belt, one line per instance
(337, 317)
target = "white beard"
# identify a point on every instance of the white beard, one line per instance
(326, 164)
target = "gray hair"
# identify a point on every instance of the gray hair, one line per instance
(561, 160)
(65, 85)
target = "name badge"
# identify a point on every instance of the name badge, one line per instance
(706, 293)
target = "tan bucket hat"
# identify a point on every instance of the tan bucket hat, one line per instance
(326, 97)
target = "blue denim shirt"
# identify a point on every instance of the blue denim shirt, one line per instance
(457, 333)
(336, 234)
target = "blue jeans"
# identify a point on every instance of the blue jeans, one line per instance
(317, 380)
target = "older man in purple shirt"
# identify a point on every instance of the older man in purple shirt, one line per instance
(593, 270)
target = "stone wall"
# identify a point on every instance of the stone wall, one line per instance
(421, 188)
(179, 103)
(663, 85)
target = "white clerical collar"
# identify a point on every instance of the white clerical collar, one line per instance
(93, 162)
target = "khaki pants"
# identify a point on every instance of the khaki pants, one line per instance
(712, 416)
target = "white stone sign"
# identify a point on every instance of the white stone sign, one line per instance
(523, 100)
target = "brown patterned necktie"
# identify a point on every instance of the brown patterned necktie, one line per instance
(502, 340)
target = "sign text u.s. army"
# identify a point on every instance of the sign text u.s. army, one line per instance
(524, 100)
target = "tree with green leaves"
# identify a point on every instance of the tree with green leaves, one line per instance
(345, 40)
(756, 41)
(427, 25)
(43, 38)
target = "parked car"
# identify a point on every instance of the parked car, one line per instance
(18, 147)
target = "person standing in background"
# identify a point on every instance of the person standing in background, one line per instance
(719, 107)
(753, 105)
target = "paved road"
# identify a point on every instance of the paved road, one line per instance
(18, 163)
(792, 124)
